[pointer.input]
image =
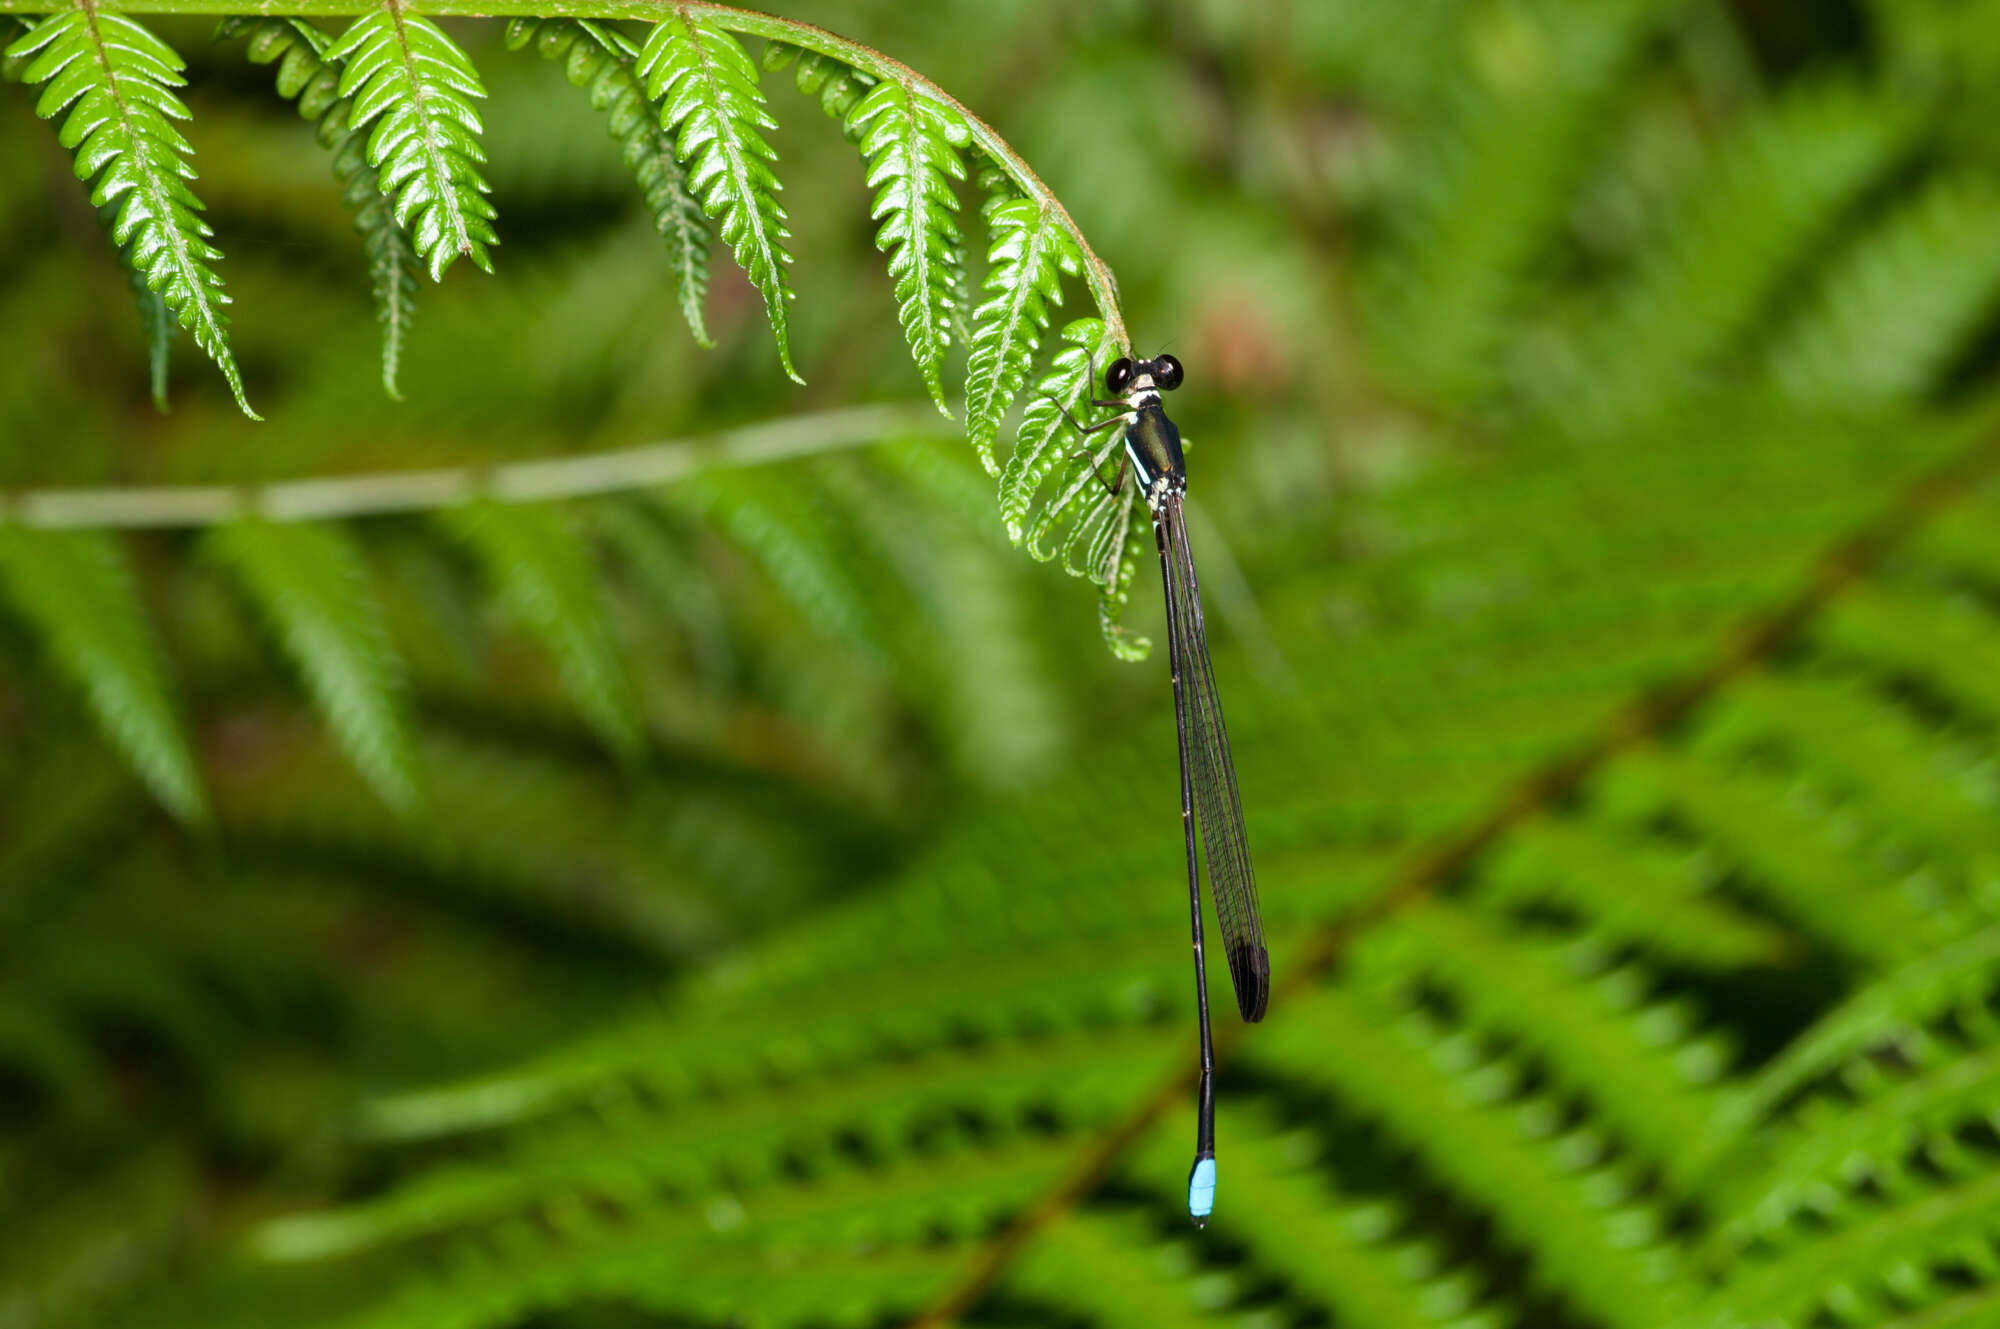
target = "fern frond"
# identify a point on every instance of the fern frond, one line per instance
(912, 145)
(1803, 871)
(1896, 311)
(1530, 114)
(407, 80)
(1480, 1121)
(606, 61)
(706, 88)
(783, 524)
(543, 573)
(1045, 440)
(73, 589)
(836, 85)
(308, 76)
(312, 587)
(1029, 254)
(158, 323)
(1361, 1259)
(1773, 190)
(1637, 1069)
(116, 81)
(1890, 1010)
(1902, 1252)
(1106, 536)
(1621, 888)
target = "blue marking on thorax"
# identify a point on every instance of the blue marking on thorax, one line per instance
(1201, 1188)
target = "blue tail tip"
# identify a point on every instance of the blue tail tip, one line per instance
(1201, 1190)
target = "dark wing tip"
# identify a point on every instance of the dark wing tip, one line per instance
(1250, 968)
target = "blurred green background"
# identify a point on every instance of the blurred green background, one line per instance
(1534, 350)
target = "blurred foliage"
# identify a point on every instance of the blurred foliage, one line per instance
(740, 901)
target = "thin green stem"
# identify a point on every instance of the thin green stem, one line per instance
(322, 498)
(1103, 287)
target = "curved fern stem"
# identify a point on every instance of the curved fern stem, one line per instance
(707, 90)
(410, 82)
(606, 61)
(307, 77)
(115, 79)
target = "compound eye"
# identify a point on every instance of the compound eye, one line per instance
(1119, 376)
(1167, 373)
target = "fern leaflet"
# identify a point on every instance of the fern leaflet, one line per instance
(312, 587)
(543, 574)
(158, 322)
(116, 80)
(410, 82)
(707, 90)
(1030, 253)
(1105, 541)
(73, 588)
(604, 59)
(911, 144)
(308, 77)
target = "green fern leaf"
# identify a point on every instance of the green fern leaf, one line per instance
(308, 77)
(415, 87)
(837, 84)
(1892, 316)
(1772, 191)
(116, 80)
(1030, 252)
(707, 90)
(73, 589)
(605, 60)
(911, 144)
(1106, 538)
(158, 322)
(1045, 439)
(544, 576)
(312, 588)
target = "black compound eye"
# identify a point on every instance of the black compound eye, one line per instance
(1167, 373)
(1119, 376)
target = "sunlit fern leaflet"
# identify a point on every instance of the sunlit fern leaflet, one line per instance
(1026, 261)
(307, 76)
(706, 88)
(411, 88)
(605, 61)
(112, 81)
(912, 145)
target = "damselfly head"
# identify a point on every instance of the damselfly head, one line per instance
(1162, 372)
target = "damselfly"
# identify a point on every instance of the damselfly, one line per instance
(1208, 777)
